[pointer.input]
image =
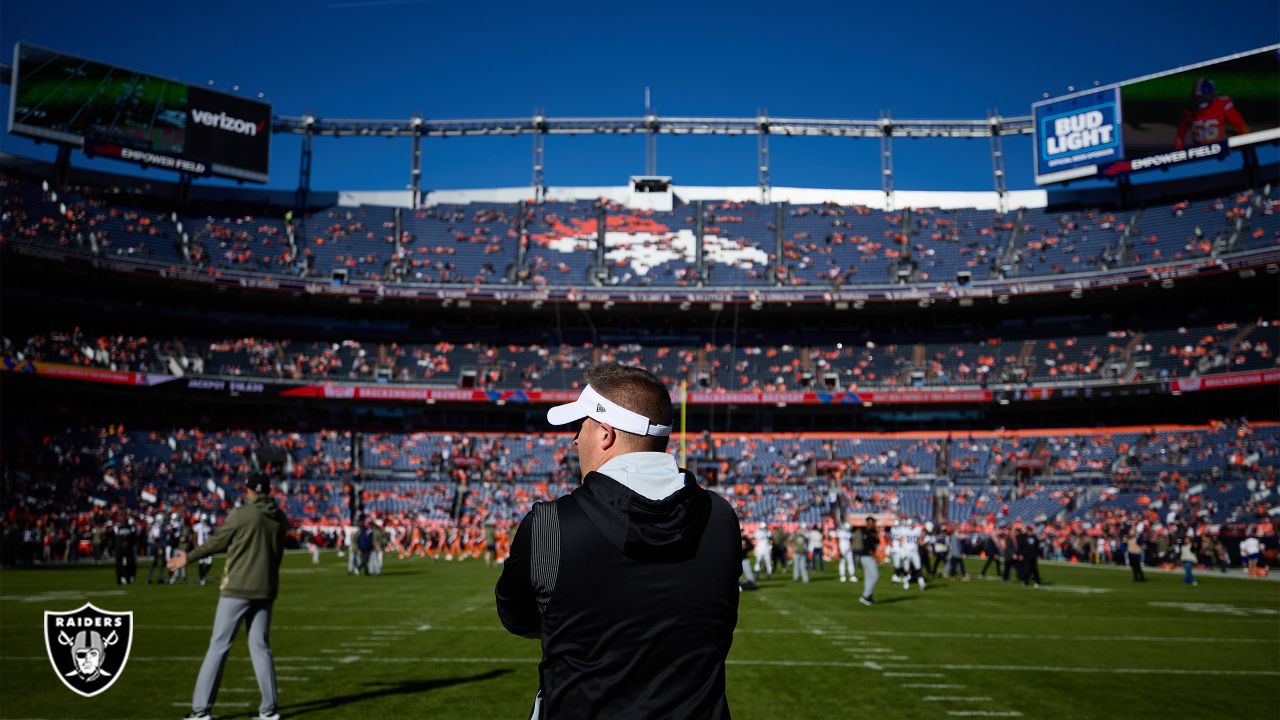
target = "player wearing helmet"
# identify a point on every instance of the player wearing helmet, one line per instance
(844, 539)
(202, 532)
(912, 536)
(1207, 119)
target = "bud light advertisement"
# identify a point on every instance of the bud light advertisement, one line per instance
(1077, 131)
(1196, 112)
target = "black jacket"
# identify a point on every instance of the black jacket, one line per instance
(635, 600)
(1029, 547)
(1010, 547)
(870, 541)
(990, 548)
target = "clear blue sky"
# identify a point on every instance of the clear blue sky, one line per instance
(454, 59)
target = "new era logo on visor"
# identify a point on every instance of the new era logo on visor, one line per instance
(599, 408)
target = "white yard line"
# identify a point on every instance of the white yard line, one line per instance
(1234, 573)
(954, 698)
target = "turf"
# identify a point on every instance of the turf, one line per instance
(423, 641)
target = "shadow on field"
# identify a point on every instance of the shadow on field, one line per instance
(407, 687)
(903, 598)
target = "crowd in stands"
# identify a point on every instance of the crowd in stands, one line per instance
(1118, 356)
(825, 245)
(64, 492)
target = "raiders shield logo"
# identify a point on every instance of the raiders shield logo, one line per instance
(88, 647)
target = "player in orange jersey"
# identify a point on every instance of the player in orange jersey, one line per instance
(1207, 121)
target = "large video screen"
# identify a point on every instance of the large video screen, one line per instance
(136, 117)
(1192, 113)
(1226, 101)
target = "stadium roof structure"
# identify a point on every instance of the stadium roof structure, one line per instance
(538, 126)
(654, 124)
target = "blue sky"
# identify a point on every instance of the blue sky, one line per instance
(454, 59)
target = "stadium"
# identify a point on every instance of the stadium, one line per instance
(1085, 361)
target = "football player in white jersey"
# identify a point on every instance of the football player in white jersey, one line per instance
(844, 541)
(203, 529)
(895, 548)
(177, 539)
(912, 536)
(349, 533)
(763, 550)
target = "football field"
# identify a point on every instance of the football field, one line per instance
(423, 641)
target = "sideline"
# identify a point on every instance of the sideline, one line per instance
(1232, 573)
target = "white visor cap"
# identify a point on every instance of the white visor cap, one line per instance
(603, 410)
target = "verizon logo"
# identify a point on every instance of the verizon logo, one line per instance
(223, 121)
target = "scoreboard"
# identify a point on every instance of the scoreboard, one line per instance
(133, 116)
(1191, 113)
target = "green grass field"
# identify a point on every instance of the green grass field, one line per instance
(423, 641)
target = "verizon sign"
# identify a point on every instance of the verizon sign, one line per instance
(229, 133)
(223, 121)
(137, 117)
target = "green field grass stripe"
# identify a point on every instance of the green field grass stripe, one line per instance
(1078, 638)
(836, 638)
(759, 662)
(1104, 670)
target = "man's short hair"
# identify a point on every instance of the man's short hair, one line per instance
(637, 390)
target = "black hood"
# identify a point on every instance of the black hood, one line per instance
(666, 530)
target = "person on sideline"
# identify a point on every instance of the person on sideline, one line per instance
(253, 538)
(631, 580)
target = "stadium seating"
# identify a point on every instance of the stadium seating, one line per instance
(1119, 356)
(477, 244)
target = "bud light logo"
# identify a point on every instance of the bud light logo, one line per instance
(1079, 132)
(1081, 135)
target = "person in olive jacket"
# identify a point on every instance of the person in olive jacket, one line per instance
(253, 538)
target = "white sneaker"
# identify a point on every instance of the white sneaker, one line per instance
(273, 715)
(906, 583)
(921, 583)
(844, 579)
(853, 579)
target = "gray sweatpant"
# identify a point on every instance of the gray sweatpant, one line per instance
(870, 574)
(257, 617)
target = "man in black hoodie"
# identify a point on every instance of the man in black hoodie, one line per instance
(1029, 555)
(631, 580)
